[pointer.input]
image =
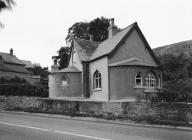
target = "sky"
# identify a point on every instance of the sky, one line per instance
(36, 29)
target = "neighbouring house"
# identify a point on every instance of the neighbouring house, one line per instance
(123, 67)
(30, 67)
(11, 66)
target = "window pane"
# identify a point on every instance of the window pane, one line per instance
(99, 82)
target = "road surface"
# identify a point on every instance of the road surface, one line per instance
(26, 127)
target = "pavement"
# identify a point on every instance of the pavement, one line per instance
(91, 119)
(37, 126)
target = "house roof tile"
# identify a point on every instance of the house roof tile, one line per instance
(90, 50)
(85, 48)
(70, 69)
(17, 69)
(8, 58)
(132, 62)
(28, 64)
(109, 45)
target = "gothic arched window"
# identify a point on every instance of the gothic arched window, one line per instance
(97, 80)
(150, 81)
(138, 80)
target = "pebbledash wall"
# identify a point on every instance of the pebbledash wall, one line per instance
(73, 89)
(100, 65)
(162, 113)
(124, 77)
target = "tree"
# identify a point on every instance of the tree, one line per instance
(78, 30)
(5, 4)
(175, 67)
(64, 56)
(97, 28)
(42, 71)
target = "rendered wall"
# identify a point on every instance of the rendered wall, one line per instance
(102, 66)
(74, 88)
(122, 83)
(134, 47)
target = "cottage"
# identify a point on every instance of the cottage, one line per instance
(123, 67)
(11, 66)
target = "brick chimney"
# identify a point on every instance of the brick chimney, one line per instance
(55, 66)
(112, 30)
(11, 51)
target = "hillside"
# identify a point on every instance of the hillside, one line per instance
(175, 49)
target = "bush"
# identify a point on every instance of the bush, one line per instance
(23, 90)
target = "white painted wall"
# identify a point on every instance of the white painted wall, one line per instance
(102, 66)
(77, 63)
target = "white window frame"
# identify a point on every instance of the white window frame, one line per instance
(138, 76)
(97, 80)
(159, 81)
(150, 81)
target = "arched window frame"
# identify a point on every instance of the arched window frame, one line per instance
(97, 80)
(64, 81)
(150, 81)
(138, 80)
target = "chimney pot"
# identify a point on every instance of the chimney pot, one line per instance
(112, 22)
(11, 51)
(54, 67)
(54, 60)
(112, 30)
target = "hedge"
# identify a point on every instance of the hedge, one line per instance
(23, 90)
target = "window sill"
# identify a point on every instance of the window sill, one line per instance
(64, 85)
(97, 89)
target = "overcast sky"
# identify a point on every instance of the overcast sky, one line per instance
(36, 29)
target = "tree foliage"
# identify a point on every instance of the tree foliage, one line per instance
(97, 28)
(177, 73)
(64, 56)
(42, 71)
(6, 4)
(176, 67)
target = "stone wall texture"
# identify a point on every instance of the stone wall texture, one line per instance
(158, 113)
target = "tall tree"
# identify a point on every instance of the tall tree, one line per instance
(64, 56)
(97, 28)
(78, 30)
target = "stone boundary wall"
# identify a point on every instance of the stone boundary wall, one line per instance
(157, 113)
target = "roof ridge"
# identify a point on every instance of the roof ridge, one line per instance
(86, 40)
(135, 23)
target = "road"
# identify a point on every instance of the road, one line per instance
(26, 127)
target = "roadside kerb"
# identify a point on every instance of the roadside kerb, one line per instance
(90, 119)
